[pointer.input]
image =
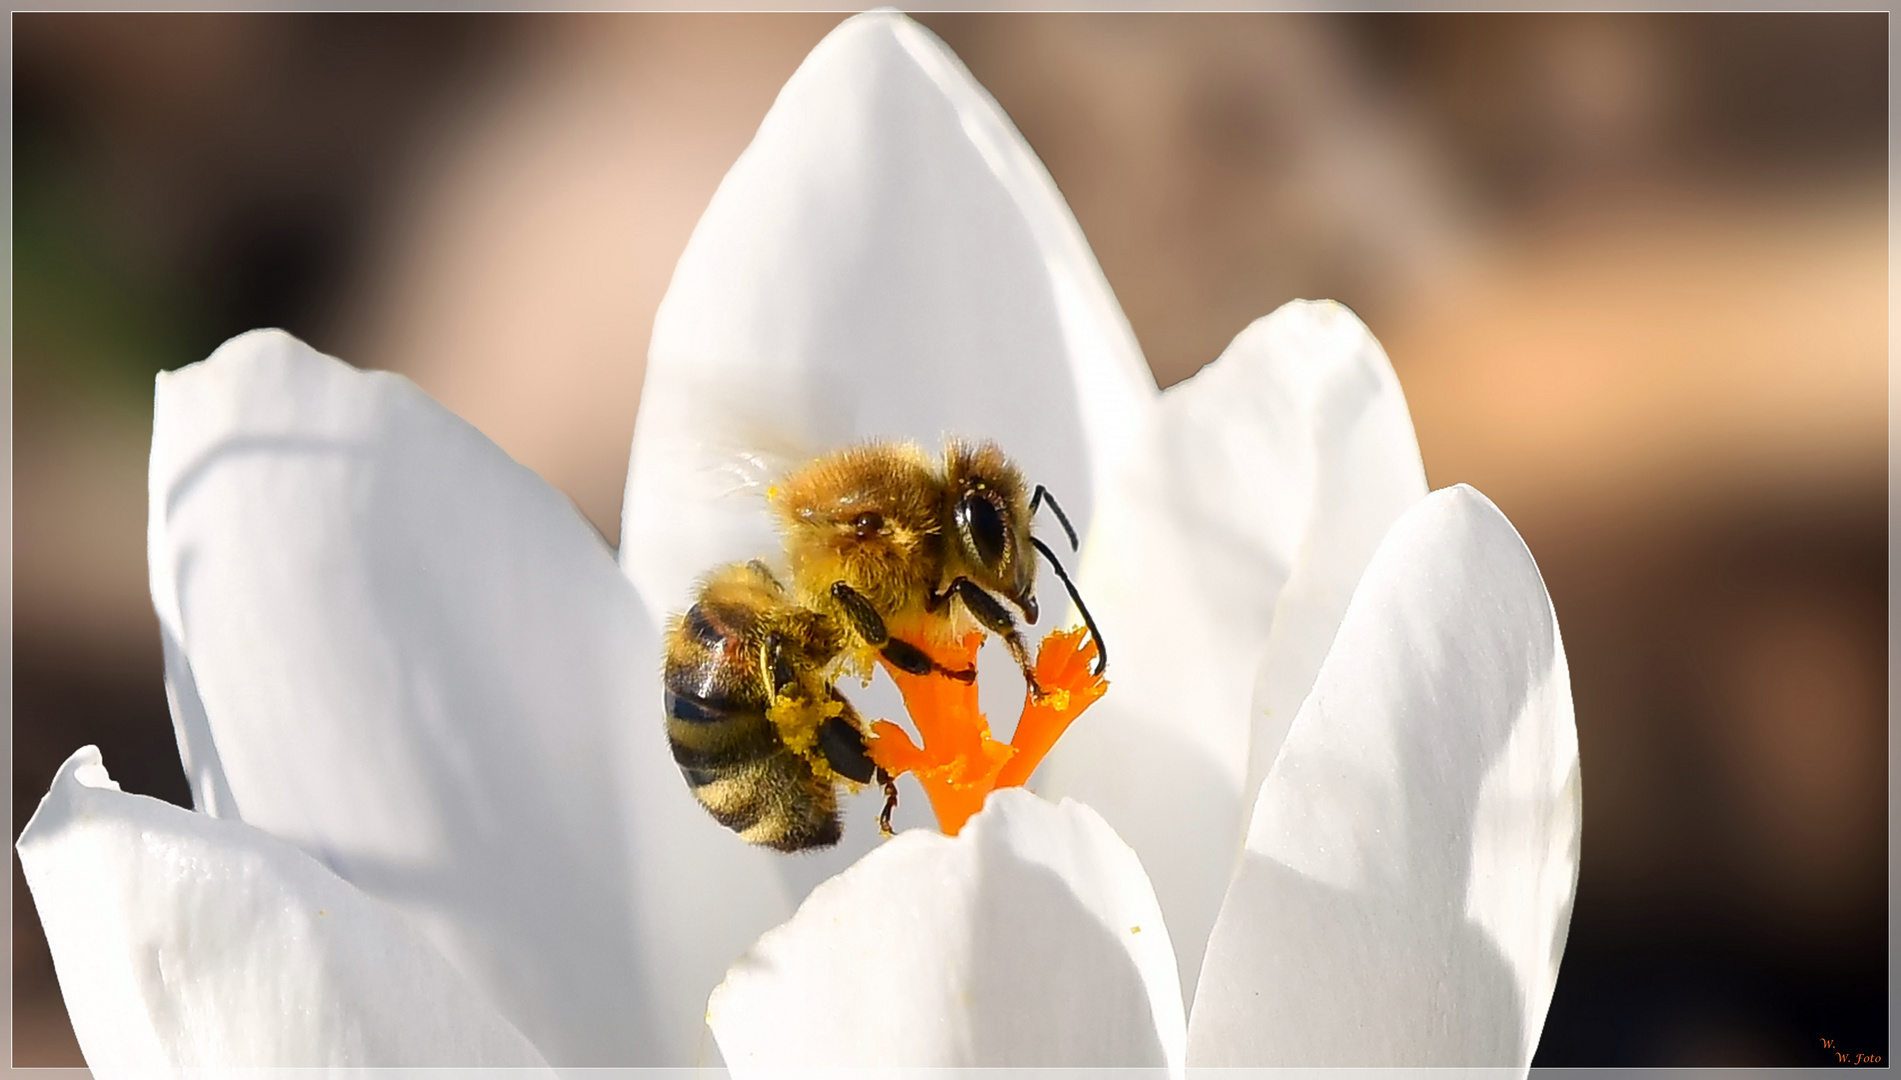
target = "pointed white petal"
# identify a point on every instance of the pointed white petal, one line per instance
(1236, 533)
(1409, 872)
(417, 662)
(1030, 939)
(888, 259)
(183, 940)
(1363, 471)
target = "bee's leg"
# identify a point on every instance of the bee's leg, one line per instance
(889, 783)
(776, 668)
(903, 655)
(996, 618)
(843, 746)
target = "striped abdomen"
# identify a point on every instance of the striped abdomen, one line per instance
(726, 663)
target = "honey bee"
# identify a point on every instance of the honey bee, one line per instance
(761, 735)
(890, 543)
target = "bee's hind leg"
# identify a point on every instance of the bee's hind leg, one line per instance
(902, 654)
(890, 785)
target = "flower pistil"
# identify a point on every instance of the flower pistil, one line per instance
(960, 763)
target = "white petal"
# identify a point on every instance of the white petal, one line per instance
(1363, 471)
(419, 663)
(1410, 867)
(887, 259)
(1237, 532)
(1032, 938)
(182, 940)
(197, 750)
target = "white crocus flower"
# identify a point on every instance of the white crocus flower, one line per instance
(419, 703)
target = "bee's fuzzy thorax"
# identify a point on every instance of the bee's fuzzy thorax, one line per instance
(870, 516)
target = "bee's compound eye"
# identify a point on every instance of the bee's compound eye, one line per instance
(982, 525)
(868, 525)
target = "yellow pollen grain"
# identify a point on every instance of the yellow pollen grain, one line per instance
(798, 720)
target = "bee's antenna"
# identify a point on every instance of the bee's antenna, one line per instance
(1042, 496)
(1102, 651)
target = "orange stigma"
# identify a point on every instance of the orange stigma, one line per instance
(959, 764)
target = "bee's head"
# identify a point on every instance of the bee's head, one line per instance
(989, 512)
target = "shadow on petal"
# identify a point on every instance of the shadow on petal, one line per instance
(1088, 963)
(418, 663)
(1413, 856)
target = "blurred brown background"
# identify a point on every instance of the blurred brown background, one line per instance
(1631, 270)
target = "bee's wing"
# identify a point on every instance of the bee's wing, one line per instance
(748, 471)
(702, 465)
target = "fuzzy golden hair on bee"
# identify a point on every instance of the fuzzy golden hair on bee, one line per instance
(869, 515)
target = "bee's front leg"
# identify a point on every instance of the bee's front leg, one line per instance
(997, 619)
(902, 654)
